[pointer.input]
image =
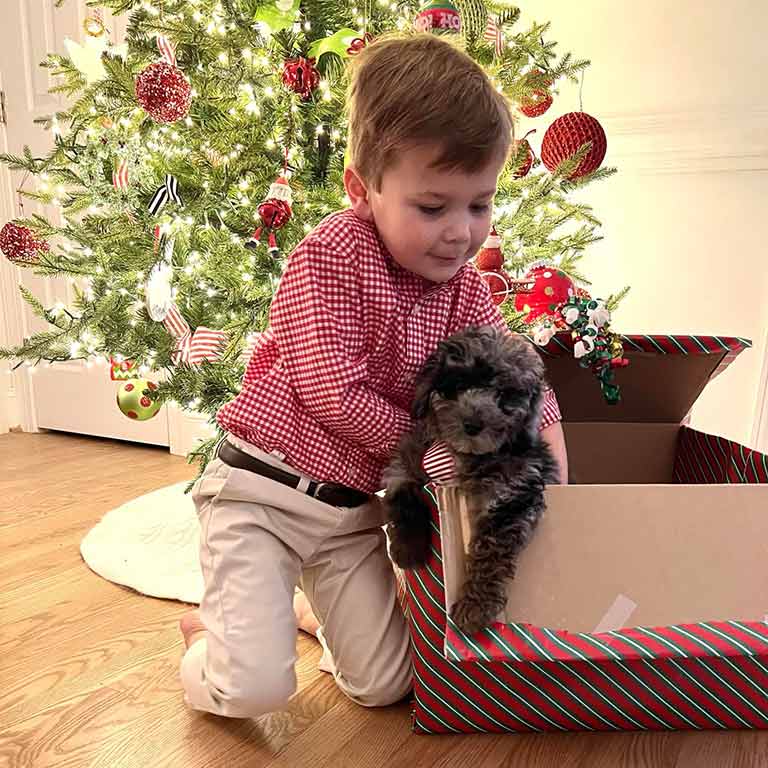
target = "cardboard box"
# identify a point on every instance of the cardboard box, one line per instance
(641, 601)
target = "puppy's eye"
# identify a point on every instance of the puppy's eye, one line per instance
(447, 389)
(510, 398)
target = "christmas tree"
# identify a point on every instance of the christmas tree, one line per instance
(194, 157)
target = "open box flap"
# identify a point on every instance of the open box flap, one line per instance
(665, 377)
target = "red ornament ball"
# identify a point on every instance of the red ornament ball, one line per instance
(301, 76)
(566, 136)
(20, 245)
(163, 92)
(500, 284)
(551, 287)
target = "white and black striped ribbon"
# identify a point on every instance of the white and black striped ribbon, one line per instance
(168, 191)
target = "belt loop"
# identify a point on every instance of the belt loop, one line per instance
(303, 484)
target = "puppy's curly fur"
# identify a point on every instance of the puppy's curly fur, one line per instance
(481, 394)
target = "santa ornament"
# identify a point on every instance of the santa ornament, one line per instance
(161, 88)
(274, 213)
(20, 246)
(490, 258)
(567, 135)
(438, 16)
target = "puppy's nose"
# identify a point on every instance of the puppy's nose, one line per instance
(472, 427)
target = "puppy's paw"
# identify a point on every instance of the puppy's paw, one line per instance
(471, 615)
(409, 545)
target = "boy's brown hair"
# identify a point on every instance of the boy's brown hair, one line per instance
(416, 90)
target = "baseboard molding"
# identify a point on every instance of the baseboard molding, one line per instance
(13, 418)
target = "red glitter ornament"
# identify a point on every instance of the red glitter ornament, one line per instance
(551, 287)
(564, 138)
(163, 92)
(301, 76)
(20, 245)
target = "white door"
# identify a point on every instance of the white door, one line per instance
(72, 396)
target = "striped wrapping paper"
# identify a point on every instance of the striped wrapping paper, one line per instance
(707, 459)
(519, 677)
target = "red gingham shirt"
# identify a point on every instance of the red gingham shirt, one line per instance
(329, 384)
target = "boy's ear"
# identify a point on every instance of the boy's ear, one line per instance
(357, 192)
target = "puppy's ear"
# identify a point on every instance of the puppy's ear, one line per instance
(536, 393)
(425, 382)
(530, 376)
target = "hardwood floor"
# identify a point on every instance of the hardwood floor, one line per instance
(89, 670)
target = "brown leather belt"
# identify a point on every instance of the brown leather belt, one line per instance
(331, 493)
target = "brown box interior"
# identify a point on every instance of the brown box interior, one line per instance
(635, 440)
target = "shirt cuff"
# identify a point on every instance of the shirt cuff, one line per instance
(550, 412)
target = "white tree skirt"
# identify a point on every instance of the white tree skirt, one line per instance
(150, 544)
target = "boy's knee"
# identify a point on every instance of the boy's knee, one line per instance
(264, 690)
(246, 690)
(388, 687)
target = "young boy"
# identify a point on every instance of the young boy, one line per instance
(366, 297)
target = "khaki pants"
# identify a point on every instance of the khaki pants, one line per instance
(258, 540)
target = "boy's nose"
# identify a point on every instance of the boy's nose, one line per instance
(458, 231)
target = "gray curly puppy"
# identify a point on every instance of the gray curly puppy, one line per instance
(480, 393)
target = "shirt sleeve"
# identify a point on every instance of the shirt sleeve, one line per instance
(485, 312)
(317, 321)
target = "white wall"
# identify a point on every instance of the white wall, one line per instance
(681, 91)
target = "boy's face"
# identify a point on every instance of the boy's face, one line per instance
(432, 220)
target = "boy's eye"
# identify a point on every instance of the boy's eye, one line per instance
(481, 208)
(431, 210)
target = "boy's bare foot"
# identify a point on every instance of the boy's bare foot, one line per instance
(192, 627)
(305, 618)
